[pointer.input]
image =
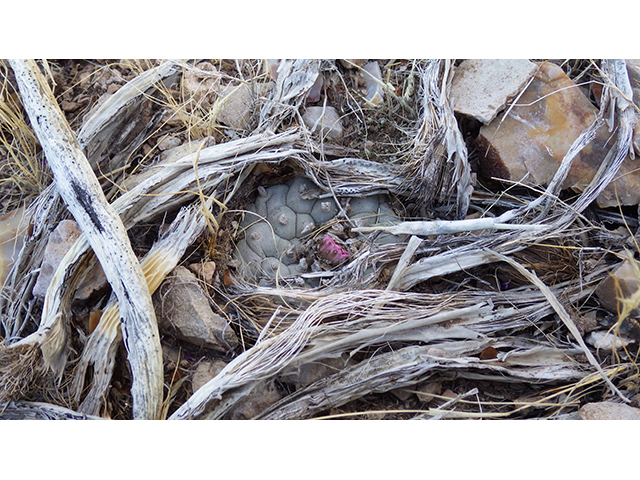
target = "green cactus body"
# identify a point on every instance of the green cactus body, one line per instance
(285, 215)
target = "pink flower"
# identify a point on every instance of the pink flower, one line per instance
(332, 252)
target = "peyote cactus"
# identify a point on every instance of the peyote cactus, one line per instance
(276, 232)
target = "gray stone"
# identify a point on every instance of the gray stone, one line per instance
(607, 341)
(237, 107)
(240, 104)
(608, 411)
(481, 88)
(205, 371)
(60, 241)
(328, 125)
(183, 310)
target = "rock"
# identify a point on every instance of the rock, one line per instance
(94, 281)
(350, 64)
(182, 309)
(238, 104)
(449, 394)
(316, 89)
(402, 394)
(586, 322)
(205, 371)
(329, 125)
(59, 243)
(608, 411)
(373, 79)
(69, 107)
(481, 88)
(426, 391)
(529, 144)
(13, 228)
(201, 84)
(261, 397)
(605, 340)
(169, 142)
(205, 271)
(622, 283)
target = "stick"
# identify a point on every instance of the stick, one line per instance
(439, 227)
(105, 232)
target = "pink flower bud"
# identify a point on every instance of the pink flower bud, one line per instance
(333, 252)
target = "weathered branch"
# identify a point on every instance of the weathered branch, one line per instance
(105, 232)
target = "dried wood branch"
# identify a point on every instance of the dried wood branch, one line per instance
(40, 411)
(83, 195)
(101, 347)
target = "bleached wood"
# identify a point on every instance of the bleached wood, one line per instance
(105, 232)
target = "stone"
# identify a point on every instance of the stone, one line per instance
(13, 228)
(481, 88)
(168, 142)
(621, 283)
(205, 371)
(205, 271)
(530, 142)
(59, 243)
(237, 107)
(316, 90)
(201, 83)
(426, 391)
(608, 411)
(328, 125)
(402, 394)
(351, 63)
(94, 281)
(607, 341)
(183, 310)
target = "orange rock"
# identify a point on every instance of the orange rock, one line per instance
(621, 284)
(528, 142)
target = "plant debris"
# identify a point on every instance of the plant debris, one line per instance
(357, 244)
